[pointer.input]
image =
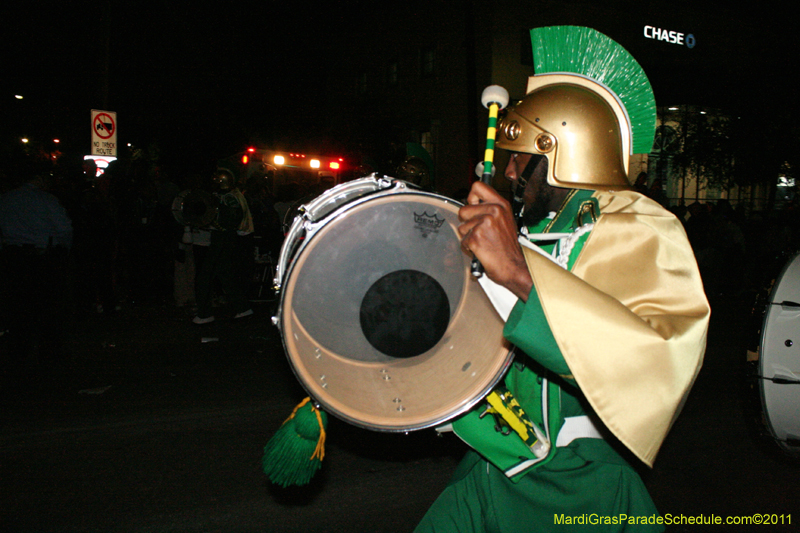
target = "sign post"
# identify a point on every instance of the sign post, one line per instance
(104, 133)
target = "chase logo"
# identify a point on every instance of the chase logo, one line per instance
(668, 36)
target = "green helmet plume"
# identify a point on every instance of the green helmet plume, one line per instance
(584, 51)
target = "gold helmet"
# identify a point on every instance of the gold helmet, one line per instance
(577, 125)
(589, 108)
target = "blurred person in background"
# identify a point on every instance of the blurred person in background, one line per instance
(36, 237)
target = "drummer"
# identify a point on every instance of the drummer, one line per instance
(610, 324)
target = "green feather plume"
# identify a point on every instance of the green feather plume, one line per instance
(588, 52)
(294, 454)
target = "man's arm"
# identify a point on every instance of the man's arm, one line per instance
(489, 231)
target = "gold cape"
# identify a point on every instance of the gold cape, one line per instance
(630, 318)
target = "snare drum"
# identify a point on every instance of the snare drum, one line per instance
(381, 320)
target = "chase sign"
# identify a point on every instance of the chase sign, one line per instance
(668, 36)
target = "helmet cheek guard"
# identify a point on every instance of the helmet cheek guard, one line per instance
(578, 124)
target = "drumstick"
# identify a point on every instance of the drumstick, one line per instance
(494, 98)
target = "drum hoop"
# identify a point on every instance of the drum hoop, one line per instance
(772, 293)
(311, 214)
(357, 188)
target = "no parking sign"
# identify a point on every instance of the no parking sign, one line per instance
(104, 133)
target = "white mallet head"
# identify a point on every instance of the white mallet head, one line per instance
(494, 94)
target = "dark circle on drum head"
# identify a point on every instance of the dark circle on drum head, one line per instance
(405, 313)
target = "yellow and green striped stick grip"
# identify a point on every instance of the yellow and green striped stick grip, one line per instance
(494, 98)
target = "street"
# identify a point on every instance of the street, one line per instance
(157, 425)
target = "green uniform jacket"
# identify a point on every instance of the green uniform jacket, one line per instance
(616, 332)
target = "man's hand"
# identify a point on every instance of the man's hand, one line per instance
(488, 231)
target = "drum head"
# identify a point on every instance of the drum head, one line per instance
(779, 359)
(381, 320)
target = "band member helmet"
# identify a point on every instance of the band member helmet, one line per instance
(224, 179)
(414, 170)
(578, 125)
(589, 107)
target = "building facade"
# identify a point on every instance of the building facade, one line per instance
(416, 72)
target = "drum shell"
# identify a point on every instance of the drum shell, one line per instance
(778, 359)
(342, 256)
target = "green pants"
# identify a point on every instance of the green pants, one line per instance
(586, 486)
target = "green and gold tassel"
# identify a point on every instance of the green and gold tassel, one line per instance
(294, 454)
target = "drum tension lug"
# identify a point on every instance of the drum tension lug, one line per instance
(499, 424)
(505, 430)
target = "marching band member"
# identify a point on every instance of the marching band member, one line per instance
(234, 220)
(610, 314)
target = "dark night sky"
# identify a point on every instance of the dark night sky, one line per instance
(185, 75)
(200, 79)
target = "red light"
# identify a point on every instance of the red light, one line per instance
(251, 149)
(245, 159)
(334, 165)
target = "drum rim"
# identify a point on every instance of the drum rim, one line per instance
(280, 319)
(306, 221)
(772, 293)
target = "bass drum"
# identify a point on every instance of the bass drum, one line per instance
(381, 320)
(778, 359)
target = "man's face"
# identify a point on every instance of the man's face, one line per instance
(530, 174)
